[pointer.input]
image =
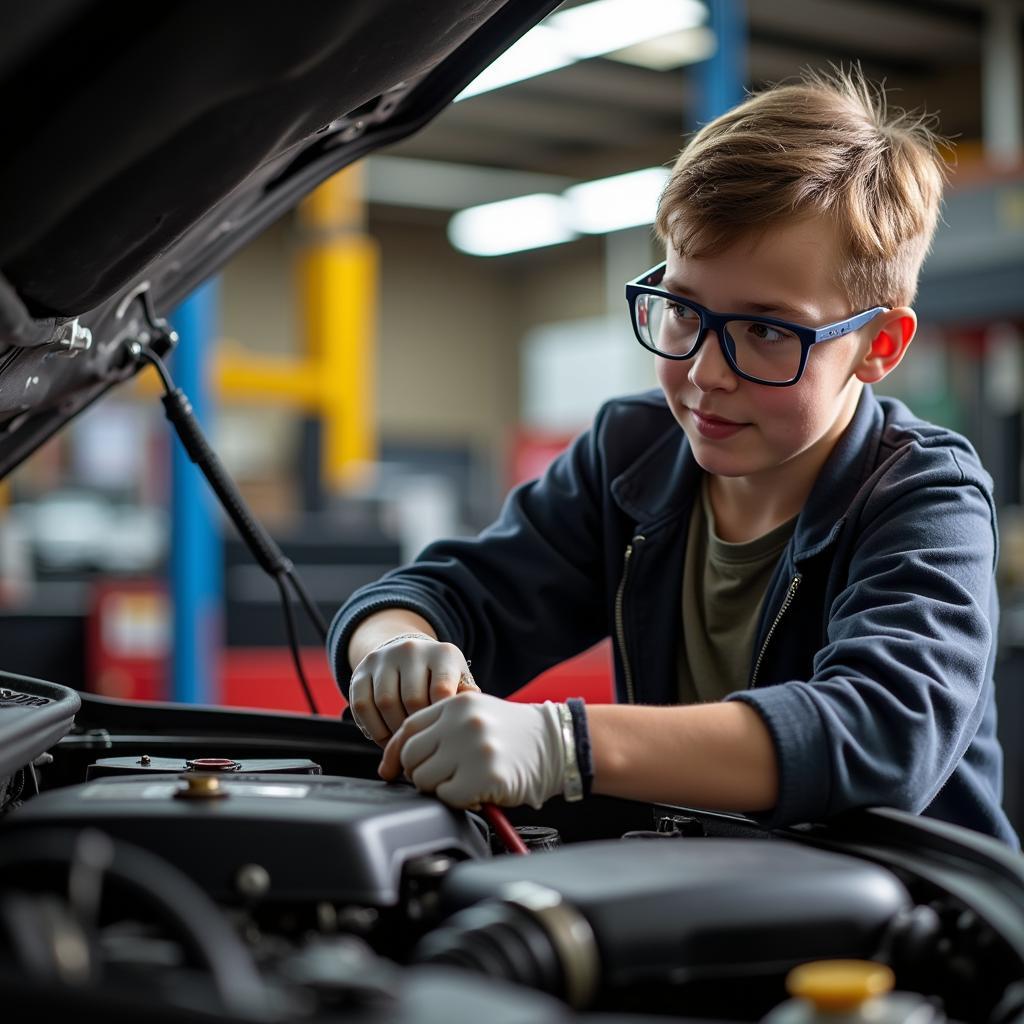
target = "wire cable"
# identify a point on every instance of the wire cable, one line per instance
(308, 603)
(293, 640)
(262, 546)
(141, 352)
(509, 837)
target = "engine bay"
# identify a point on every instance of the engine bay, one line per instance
(250, 866)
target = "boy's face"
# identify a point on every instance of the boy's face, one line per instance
(789, 273)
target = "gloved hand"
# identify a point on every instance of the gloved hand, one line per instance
(402, 676)
(476, 749)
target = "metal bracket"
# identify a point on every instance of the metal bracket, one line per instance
(159, 327)
(74, 337)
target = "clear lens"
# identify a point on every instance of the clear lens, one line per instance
(666, 326)
(764, 351)
(759, 349)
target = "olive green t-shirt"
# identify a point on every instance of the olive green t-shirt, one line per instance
(724, 587)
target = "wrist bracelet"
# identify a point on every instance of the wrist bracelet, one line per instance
(400, 636)
(581, 733)
(572, 786)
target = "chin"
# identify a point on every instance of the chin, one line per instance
(723, 467)
(723, 458)
(714, 458)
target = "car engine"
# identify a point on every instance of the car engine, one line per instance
(188, 863)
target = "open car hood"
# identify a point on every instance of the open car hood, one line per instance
(145, 144)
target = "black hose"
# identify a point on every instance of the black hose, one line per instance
(262, 546)
(174, 898)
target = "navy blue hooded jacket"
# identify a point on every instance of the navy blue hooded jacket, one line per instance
(873, 664)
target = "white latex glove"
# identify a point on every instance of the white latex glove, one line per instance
(400, 677)
(476, 749)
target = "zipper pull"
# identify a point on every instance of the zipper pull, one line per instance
(620, 626)
(794, 585)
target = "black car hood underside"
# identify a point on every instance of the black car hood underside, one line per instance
(145, 143)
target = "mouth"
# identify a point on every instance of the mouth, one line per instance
(716, 428)
(711, 418)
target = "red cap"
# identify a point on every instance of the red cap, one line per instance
(213, 764)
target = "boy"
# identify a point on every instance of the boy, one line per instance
(800, 581)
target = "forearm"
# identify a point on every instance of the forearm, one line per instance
(381, 626)
(714, 756)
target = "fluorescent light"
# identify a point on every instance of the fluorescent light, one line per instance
(512, 225)
(672, 51)
(530, 222)
(606, 25)
(589, 30)
(541, 50)
(611, 204)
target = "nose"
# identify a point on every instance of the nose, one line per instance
(709, 370)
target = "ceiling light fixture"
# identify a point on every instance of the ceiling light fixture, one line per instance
(665, 53)
(531, 222)
(611, 204)
(603, 26)
(512, 225)
(589, 30)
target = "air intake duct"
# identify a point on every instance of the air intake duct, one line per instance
(530, 936)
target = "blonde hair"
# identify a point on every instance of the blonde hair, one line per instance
(826, 145)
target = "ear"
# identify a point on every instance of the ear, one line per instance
(891, 333)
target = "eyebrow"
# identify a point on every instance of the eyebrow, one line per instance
(781, 310)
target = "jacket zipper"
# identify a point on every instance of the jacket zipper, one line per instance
(794, 584)
(620, 629)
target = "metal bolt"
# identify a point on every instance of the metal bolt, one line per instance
(252, 881)
(74, 336)
(6, 694)
(430, 866)
(145, 760)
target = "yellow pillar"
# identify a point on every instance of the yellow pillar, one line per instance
(338, 291)
(334, 378)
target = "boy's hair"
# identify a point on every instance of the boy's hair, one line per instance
(825, 145)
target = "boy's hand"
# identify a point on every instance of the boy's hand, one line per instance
(479, 749)
(401, 676)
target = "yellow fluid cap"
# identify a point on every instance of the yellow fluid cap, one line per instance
(839, 984)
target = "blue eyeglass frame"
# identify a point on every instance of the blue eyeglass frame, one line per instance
(646, 284)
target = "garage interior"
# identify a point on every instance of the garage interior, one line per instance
(453, 376)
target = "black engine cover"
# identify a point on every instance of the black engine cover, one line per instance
(318, 838)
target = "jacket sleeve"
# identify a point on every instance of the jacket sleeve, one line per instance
(523, 595)
(898, 689)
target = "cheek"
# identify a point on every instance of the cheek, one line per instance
(671, 374)
(787, 415)
(672, 379)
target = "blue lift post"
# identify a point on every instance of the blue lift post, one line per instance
(720, 79)
(196, 554)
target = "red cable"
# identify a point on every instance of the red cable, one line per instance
(506, 833)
